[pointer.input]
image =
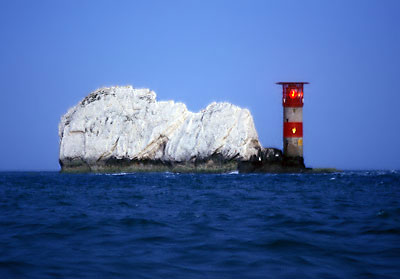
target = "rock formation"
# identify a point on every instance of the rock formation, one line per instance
(127, 129)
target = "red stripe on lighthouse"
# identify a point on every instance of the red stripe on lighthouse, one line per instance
(293, 129)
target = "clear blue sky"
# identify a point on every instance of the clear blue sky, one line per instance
(53, 53)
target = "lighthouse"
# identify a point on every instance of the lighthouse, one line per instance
(292, 101)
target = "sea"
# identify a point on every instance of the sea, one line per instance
(171, 225)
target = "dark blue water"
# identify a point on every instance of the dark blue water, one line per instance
(344, 225)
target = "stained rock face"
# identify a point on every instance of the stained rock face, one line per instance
(127, 129)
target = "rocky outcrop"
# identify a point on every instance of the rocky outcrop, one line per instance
(127, 129)
(271, 160)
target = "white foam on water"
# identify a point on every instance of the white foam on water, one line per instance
(118, 174)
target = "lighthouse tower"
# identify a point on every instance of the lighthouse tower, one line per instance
(292, 101)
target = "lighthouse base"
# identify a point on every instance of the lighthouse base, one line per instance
(293, 162)
(271, 160)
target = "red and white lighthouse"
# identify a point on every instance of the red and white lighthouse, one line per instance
(292, 101)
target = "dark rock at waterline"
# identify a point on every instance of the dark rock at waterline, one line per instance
(267, 160)
(212, 164)
(271, 160)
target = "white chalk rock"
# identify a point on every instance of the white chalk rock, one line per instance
(128, 123)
